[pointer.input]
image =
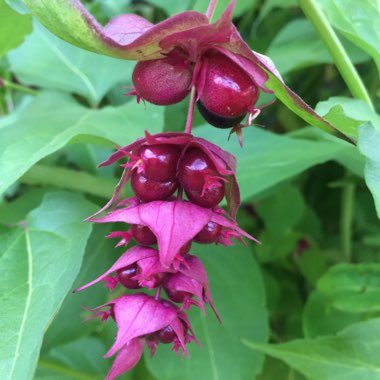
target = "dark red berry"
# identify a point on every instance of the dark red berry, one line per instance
(148, 190)
(125, 275)
(208, 234)
(143, 235)
(193, 169)
(163, 81)
(228, 91)
(165, 335)
(216, 120)
(160, 161)
(211, 197)
(177, 295)
(185, 248)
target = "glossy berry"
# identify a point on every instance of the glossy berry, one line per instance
(160, 161)
(148, 190)
(209, 233)
(165, 335)
(177, 295)
(216, 120)
(185, 248)
(125, 275)
(143, 235)
(228, 91)
(210, 199)
(193, 168)
(163, 81)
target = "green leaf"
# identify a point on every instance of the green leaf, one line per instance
(268, 159)
(369, 143)
(69, 325)
(350, 355)
(13, 28)
(353, 288)
(239, 297)
(41, 129)
(70, 69)
(347, 114)
(172, 7)
(242, 6)
(358, 21)
(39, 262)
(275, 370)
(299, 40)
(77, 360)
(319, 317)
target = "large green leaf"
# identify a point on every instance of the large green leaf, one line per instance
(352, 288)
(78, 359)
(358, 21)
(52, 120)
(13, 28)
(238, 293)
(369, 143)
(319, 317)
(300, 41)
(347, 114)
(58, 65)
(268, 159)
(39, 261)
(352, 354)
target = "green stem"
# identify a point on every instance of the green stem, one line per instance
(70, 179)
(73, 373)
(347, 214)
(14, 86)
(342, 61)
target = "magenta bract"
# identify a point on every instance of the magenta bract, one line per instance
(138, 316)
(147, 260)
(174, 223)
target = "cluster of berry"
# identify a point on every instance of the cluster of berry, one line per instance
(158, 166)
(225, 92)
(178, 181)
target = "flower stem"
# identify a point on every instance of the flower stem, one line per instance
(342, 61)
(190, 112)
(347, 214)
(13, 86)
(211, 8)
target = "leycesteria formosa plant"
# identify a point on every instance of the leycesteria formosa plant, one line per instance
(178, 179)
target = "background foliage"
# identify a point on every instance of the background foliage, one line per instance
(307, 298)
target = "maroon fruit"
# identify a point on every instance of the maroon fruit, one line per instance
(210, 198)
(125, 275)
(163, 81)
(228, 91)
(209, 234)
(143, 235)
(216, 120)
(165, 335)
(177, 295)
(160, 161)
(148, 190)
(185, 248)
(193, 168)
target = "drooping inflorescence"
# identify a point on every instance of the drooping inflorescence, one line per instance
(178, 181)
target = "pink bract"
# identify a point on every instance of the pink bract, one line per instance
(137, 316)
(174, 223)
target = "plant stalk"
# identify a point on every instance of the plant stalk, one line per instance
(342, 61)
(347, 214)
(14, 86)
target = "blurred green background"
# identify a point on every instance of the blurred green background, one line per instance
(316, 273)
